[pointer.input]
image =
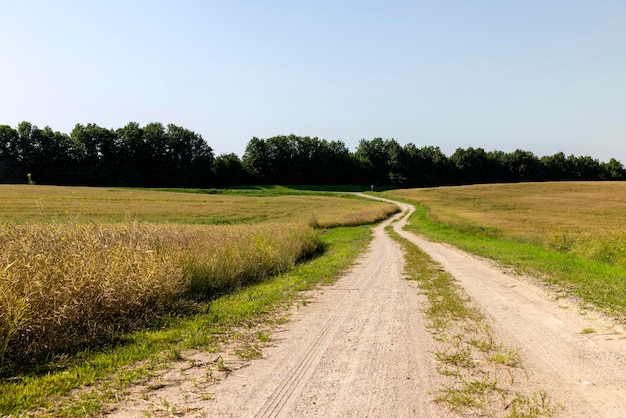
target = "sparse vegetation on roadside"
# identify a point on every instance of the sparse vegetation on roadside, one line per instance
(483, 376)
(569, 234)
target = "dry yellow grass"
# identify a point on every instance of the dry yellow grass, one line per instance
(63, 286)
(23, 204)
(588, 218)
(79, 266)
(529, 208)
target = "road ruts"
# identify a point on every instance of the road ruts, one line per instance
(298, 374)
(359, 349)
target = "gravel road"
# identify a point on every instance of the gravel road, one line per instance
(360, 348)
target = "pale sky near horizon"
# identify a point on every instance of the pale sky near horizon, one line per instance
(540, 75)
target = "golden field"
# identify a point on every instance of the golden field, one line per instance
(586, 218)
(81, 266)
(21, 203)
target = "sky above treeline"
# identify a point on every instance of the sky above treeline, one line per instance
(543, 76)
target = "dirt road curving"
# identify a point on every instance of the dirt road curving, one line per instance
(360, 348)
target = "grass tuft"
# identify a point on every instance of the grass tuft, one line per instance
(481, 372)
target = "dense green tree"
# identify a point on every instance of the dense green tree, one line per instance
(557, 167)
(523, 166)
(614, 170)
(373, 156)
(98, 154)
(336, 164)
(498, 162)
(433, 166)
(472, 165)
(256, 160)
(9, 169)
(228, 170)
(584, 167)
(398, 164)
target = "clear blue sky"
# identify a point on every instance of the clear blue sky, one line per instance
(540, 75)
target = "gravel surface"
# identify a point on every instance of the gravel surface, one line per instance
(360, 348)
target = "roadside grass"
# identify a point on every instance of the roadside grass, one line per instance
(571, 235)
(57, 204)
(83, 384)
(484, 377)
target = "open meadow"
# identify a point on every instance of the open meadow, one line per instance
(53, 204)
(81, 267)
(570, 233)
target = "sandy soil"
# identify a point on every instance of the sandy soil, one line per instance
(360, 348)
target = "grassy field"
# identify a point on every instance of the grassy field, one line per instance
(80, 268)
(572, 234)
(28, 204)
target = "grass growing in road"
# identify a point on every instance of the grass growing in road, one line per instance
(569, 234)
(483, 376)
(106, 374)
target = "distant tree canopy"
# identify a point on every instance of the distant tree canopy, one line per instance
(171, 156)
(152, 156)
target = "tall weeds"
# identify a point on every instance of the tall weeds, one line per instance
(63, 287)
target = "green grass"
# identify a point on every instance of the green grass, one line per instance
(482, 375)
(104, 373)
(595, 282)
(275, 190)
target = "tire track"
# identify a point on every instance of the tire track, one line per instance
(352, 352)
(295, 377)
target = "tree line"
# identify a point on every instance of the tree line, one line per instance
(171, 156)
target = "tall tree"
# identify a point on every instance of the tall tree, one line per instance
(614, 170)
(9, 168)
(471, 165)
(256, 160)
(373, 157)
(228, 170)
(524, 166)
